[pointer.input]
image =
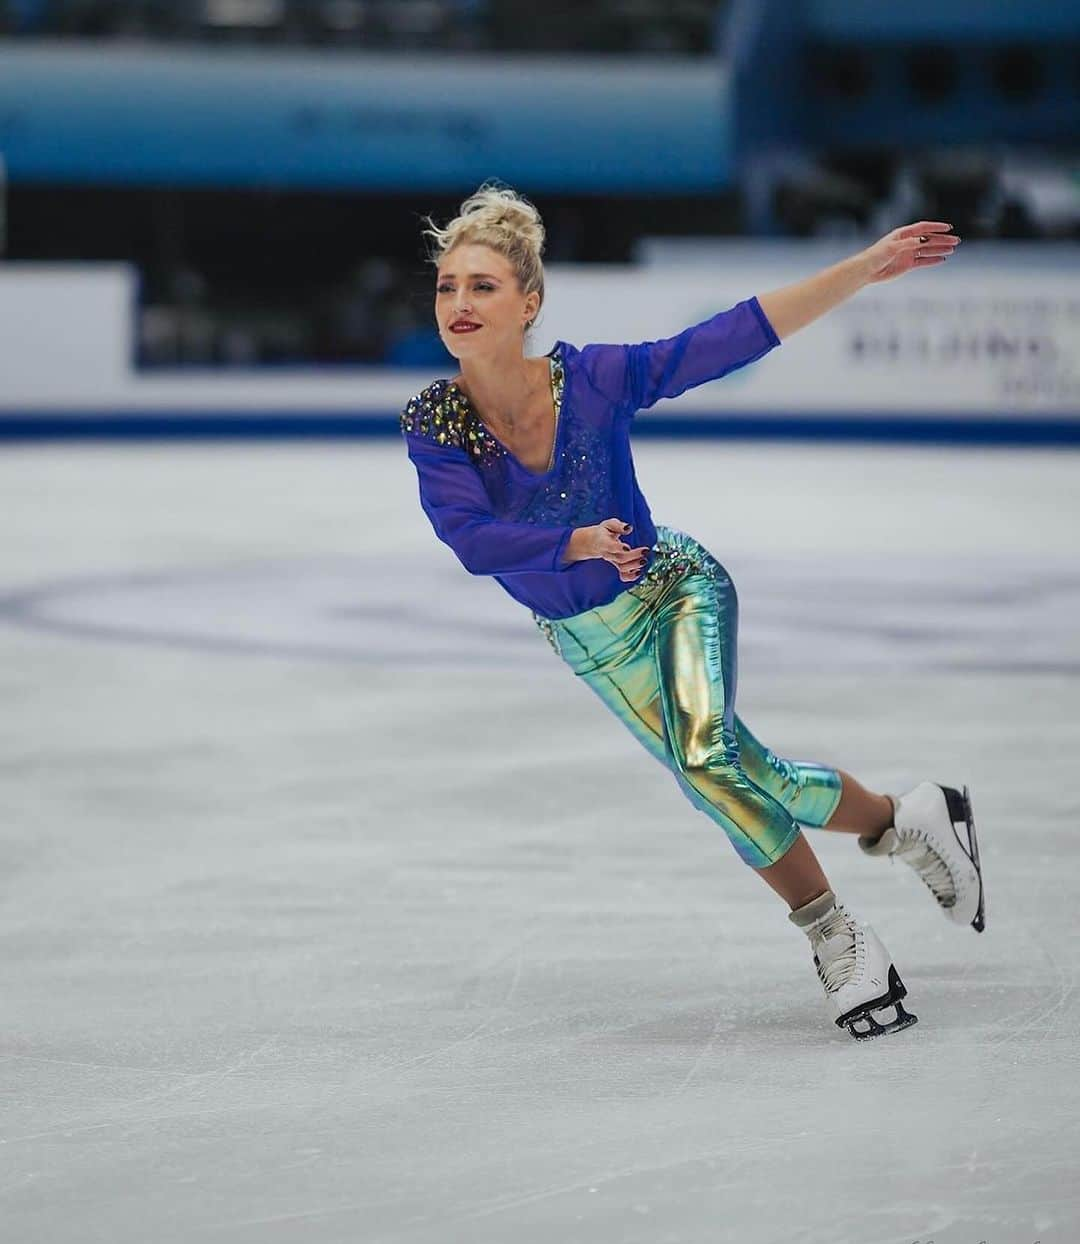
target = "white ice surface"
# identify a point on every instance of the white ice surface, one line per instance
(334, 910)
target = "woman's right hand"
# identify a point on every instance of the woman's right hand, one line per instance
(602, 541)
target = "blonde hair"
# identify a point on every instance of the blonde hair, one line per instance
(498, 217)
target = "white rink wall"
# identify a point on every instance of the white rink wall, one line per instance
(992, 335)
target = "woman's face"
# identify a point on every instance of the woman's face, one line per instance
(479, 306)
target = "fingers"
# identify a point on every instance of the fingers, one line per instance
(623, 555)
(932, 248)
(923, 226)
(631, 563)
(946, 243)
(613, 548)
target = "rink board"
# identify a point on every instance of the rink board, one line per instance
(983, 349)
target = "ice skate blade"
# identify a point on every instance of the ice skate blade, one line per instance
(904, 1019)
(874, 1028)
(979, 922)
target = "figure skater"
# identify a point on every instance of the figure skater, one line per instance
(525, 471)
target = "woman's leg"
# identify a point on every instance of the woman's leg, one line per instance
(814, 794)
(669, 674)
(613, 649)
(860, 811)
(610, 649)
(696, 634)
(810, 792)
(797, 877)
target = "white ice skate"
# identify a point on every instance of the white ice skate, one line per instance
(934, 832)
(855, 968)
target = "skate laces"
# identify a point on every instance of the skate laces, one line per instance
(837, 970)
(914, 849)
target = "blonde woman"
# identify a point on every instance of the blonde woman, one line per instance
(525, 471)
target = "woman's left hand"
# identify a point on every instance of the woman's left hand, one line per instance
(922, 245)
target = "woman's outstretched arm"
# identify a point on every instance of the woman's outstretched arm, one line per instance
(921, 245)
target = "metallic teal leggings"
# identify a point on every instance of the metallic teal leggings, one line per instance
(662, 657)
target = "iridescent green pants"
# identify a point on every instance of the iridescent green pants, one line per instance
(662, 657)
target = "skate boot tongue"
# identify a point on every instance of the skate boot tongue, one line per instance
(832, 939)
(930, 867)
(834, 950)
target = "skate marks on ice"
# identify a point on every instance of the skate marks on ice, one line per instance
(535, 999)
(1046, 1018)
(880, 613)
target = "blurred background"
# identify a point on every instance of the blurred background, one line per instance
(236, 185)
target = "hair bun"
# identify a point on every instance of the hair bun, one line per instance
(492, 208)
(497, 216)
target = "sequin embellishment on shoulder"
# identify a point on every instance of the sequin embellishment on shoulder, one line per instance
(441, 413)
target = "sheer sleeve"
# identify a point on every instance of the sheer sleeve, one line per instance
(452, 495)
(637, 376)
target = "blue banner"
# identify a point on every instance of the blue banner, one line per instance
(324, 119)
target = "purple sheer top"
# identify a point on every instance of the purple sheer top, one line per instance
(504, 520)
